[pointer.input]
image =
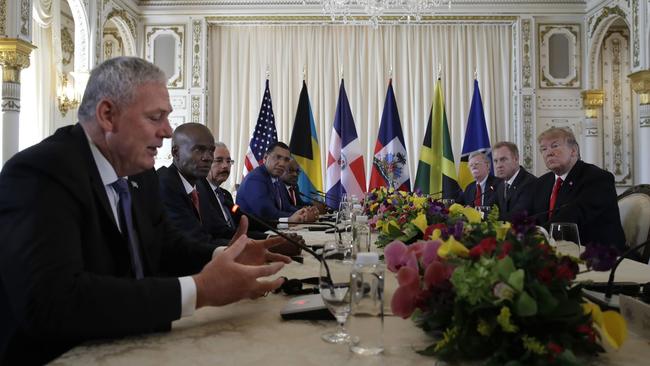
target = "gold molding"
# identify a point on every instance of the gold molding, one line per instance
(641, 84)
(14, 56)
(328, 19)
(592, 98)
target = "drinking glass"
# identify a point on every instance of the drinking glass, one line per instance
(334, 284)
(566, 237)
(448, 202)
(484, 210)
(344, 223)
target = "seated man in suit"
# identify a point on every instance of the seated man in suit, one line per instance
(291, 192)
(216, 204)
(192, 150)
(481, 192)
(515, 194)
(260, 192)
(575, 191)
(86, 249)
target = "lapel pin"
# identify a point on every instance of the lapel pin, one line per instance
(134, 184)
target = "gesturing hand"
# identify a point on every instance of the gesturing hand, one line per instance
(225, 280)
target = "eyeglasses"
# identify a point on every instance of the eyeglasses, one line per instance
(220, 161)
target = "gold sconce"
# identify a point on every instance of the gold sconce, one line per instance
(66, 97)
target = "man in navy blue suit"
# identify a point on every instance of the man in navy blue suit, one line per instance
(260, 192)
(482, 191)
(575, 191)
(515, 193)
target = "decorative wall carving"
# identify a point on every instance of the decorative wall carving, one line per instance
(606, 12)
(528, 152)
(176, 79)
(526, 66)
(558, 103)
(196, 53)
(3, 16)
(571, 32)
(122, 14)
(177, 102)
(617, 107)
(25, 18)
(67, 46)
(196, 108)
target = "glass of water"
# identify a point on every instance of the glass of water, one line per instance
(566, 238)
(334, 284)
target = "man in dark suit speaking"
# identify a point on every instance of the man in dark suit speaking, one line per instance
(86, 250)
(577, 192)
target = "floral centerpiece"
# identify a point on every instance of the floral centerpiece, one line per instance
(488, 290)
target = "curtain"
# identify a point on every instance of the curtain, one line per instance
(240, 56)
(38, 81)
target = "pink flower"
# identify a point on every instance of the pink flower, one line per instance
(398, 255)
(437, 273)
(405, 297)
(430, 252)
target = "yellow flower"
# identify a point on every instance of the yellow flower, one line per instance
(448, 335)
(374, 206)
(421, 222)
(610, 324)
(435, 235)
(473, 215)
(483, 328)
(390, 226)
(533, 345)
(504, 320)
(418, 201)
(451, 247)
(455, 208)
(502, 230)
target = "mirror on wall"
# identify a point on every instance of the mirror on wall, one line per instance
(559, 55)
(164, 48)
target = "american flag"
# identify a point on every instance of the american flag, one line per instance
(264, 134)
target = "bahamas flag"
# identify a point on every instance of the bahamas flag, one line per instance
(436, 169)
(476, 138)
(390, 165)
(304, 146)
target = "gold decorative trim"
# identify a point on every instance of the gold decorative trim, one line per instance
(328, 19)
(635, 32)
(546, 80)
(25, 17)
(176, 81)
(607, 11)
(14, 56)
(528, 131)
(196, 108)
(592, 98)
(196, 53)
(67, 46)
(526, 66)
(122, 14)
(640, 81)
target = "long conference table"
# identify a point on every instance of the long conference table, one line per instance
(252, 332)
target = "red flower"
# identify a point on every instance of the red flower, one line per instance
(545, 276)
(506, 247)
(588, 331)
(485, 247)
(429, 230)
(554, 350)
(567, 269)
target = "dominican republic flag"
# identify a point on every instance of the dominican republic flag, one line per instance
(345, 167)
(476, 138)
(390, 165)
(264, 134)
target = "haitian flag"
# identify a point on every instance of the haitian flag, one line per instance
(345, 166)
(390, 165)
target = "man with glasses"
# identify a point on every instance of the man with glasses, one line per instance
(481, 192)
(575, 191)
(260, 192)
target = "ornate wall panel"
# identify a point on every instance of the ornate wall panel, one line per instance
(617, 107)
(3, 16)
(197, 28)
(570, 33)
(526, 60)
(528, 132)
(635, 33)
(177, 34)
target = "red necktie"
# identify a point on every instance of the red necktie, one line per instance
(194, 195)
(293, 195)
(556, 189)
(477, 198)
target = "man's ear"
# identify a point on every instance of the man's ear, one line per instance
(105, 112)
(175, 151)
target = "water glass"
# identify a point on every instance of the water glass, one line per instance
(334, 285)
(565, 237)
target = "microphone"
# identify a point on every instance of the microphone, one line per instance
(316, 223)
(313, 200)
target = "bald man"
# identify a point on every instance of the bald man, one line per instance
(192, 151)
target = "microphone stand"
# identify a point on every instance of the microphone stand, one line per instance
(313, 200)
(316, 223)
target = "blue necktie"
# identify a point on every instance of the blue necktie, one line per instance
(121, 186)
(278, 198)
(226, 213)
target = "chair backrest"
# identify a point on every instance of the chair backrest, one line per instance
(634, 207)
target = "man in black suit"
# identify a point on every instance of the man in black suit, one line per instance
(192, 150)
(86, 249)
(515, 193)
(485, 194)
(575, 191)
